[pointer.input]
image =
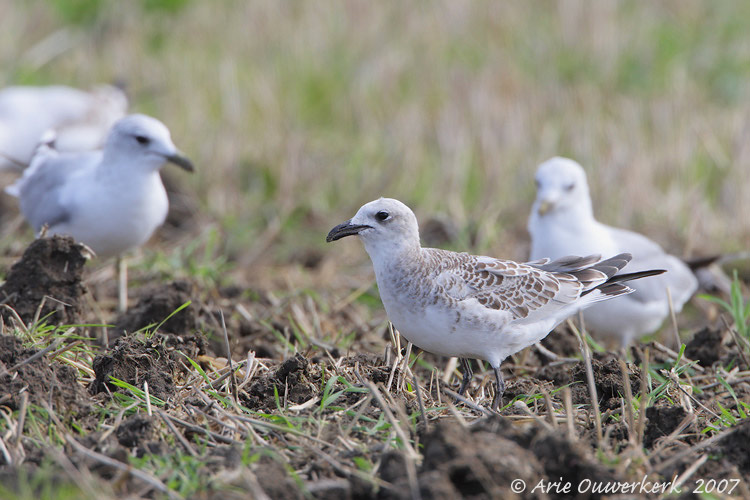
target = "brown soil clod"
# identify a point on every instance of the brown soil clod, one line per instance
(50, 270)
(525, 386)
(41, 380)
(734, 448)
(661, 421)
(608, 382)
(705, 347)
(135, 430)
(155, 304)
(135, 359)
(288, 381)
(275, 480)
(458, 463)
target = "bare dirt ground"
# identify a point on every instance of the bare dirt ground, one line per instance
(300, 415)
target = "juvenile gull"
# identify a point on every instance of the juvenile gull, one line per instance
(113, 199)
(80, 119)
(457, 304)
(562, 223)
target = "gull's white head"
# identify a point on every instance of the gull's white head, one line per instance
(143, 141)
(383, 225)
(560, 186)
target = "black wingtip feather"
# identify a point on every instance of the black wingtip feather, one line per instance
(614, 286)
(634, 276)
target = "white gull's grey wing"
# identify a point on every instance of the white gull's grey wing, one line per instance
(41, 189)
(647, 254)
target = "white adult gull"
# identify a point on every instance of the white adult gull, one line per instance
(113, 199)
(562, 223)
(468, 306)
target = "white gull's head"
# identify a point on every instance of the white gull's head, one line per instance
(560, 186)
(144, 142)
(383, 225)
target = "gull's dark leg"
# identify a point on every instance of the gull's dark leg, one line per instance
(468, 373)
(500, 388)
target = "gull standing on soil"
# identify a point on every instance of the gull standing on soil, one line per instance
(468, 306)
(562, 223)
(111, 200)
(80, 119)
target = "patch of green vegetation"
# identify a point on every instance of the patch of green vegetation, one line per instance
(203, 258)
(138, 395)
(737, 307)
(727, 418)
(709, 175)
(330, 395)
(46, 482)
(661, 391)
(78, 12)
(181, 472)
(166, 6)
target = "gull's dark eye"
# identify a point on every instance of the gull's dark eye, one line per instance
(142, 140)
(382, 215)
(570, 187)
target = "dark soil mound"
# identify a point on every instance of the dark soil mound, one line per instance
(289, 381)
(155, 304)
(135, 430)
(705, 347)
(50, 270)
(734, 448)
(41, 380)
(662, 421)
(525, 386)
(135, 359)
(608, 382)
(729, 459)
(275, 480)
(483, 460)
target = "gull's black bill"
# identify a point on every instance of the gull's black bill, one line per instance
(345, 229)
(181, 162)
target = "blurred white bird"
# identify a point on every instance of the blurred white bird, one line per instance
(80, 119)
(111, 200)
(562, 223)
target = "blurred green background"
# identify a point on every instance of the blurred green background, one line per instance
(296, 113)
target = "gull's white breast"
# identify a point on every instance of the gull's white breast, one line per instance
(113, 217)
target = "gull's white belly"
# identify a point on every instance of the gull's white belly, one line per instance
(112, 222)
(468, 330)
